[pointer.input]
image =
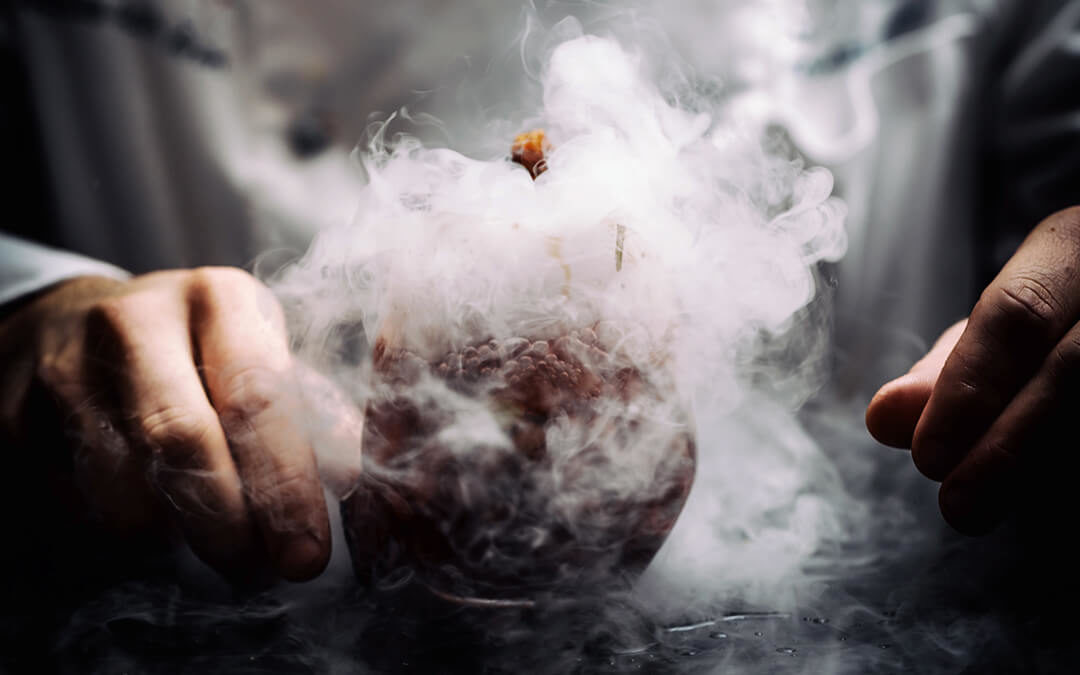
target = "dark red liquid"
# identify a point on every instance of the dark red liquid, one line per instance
(498, 522)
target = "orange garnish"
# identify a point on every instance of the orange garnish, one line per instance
(528, 151)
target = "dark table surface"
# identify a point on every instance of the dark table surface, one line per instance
(77, 603)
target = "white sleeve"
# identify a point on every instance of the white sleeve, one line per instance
(26, 267)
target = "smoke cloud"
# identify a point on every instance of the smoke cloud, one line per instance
(718, 229)
(679, 234)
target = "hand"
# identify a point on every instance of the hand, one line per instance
(179, 396)
(982, 410)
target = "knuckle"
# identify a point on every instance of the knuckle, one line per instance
(972, 386)
(53, 372)
(221, 275)
(968, 390)
(115, 326)
(176, 430)
(109, 317)
(291, 482)
(213, 291)
(248, 392)
(284, 490)
(1026, 303)
(207, 283)
(60, 375)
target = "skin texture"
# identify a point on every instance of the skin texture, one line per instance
(178, 403)
(986, 411)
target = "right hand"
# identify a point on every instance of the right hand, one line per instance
(990, 412)
(181, 405)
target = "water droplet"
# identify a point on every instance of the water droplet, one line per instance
(688, 652)
(790, 651)
(755, 615)
(758, 633)
(884, 645)
(718, 635)
(689, 627)
(821, 621)
(842, 638)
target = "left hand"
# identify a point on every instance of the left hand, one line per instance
(980, 410)
(172, 402)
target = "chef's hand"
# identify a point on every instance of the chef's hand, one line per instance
(180, 403)
(980, 411)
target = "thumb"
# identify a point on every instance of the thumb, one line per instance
(896, 407)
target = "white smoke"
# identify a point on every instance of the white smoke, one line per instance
(725, 232)
(722, 232)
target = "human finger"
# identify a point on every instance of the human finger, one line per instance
(146, 347)
(982, 490)
(103, 469)
(248, 371)
(1019, 318)
(896, 407)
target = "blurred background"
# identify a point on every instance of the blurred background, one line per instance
(176, 133)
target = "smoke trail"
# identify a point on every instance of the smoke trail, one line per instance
(726, 229)
(723, 232)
